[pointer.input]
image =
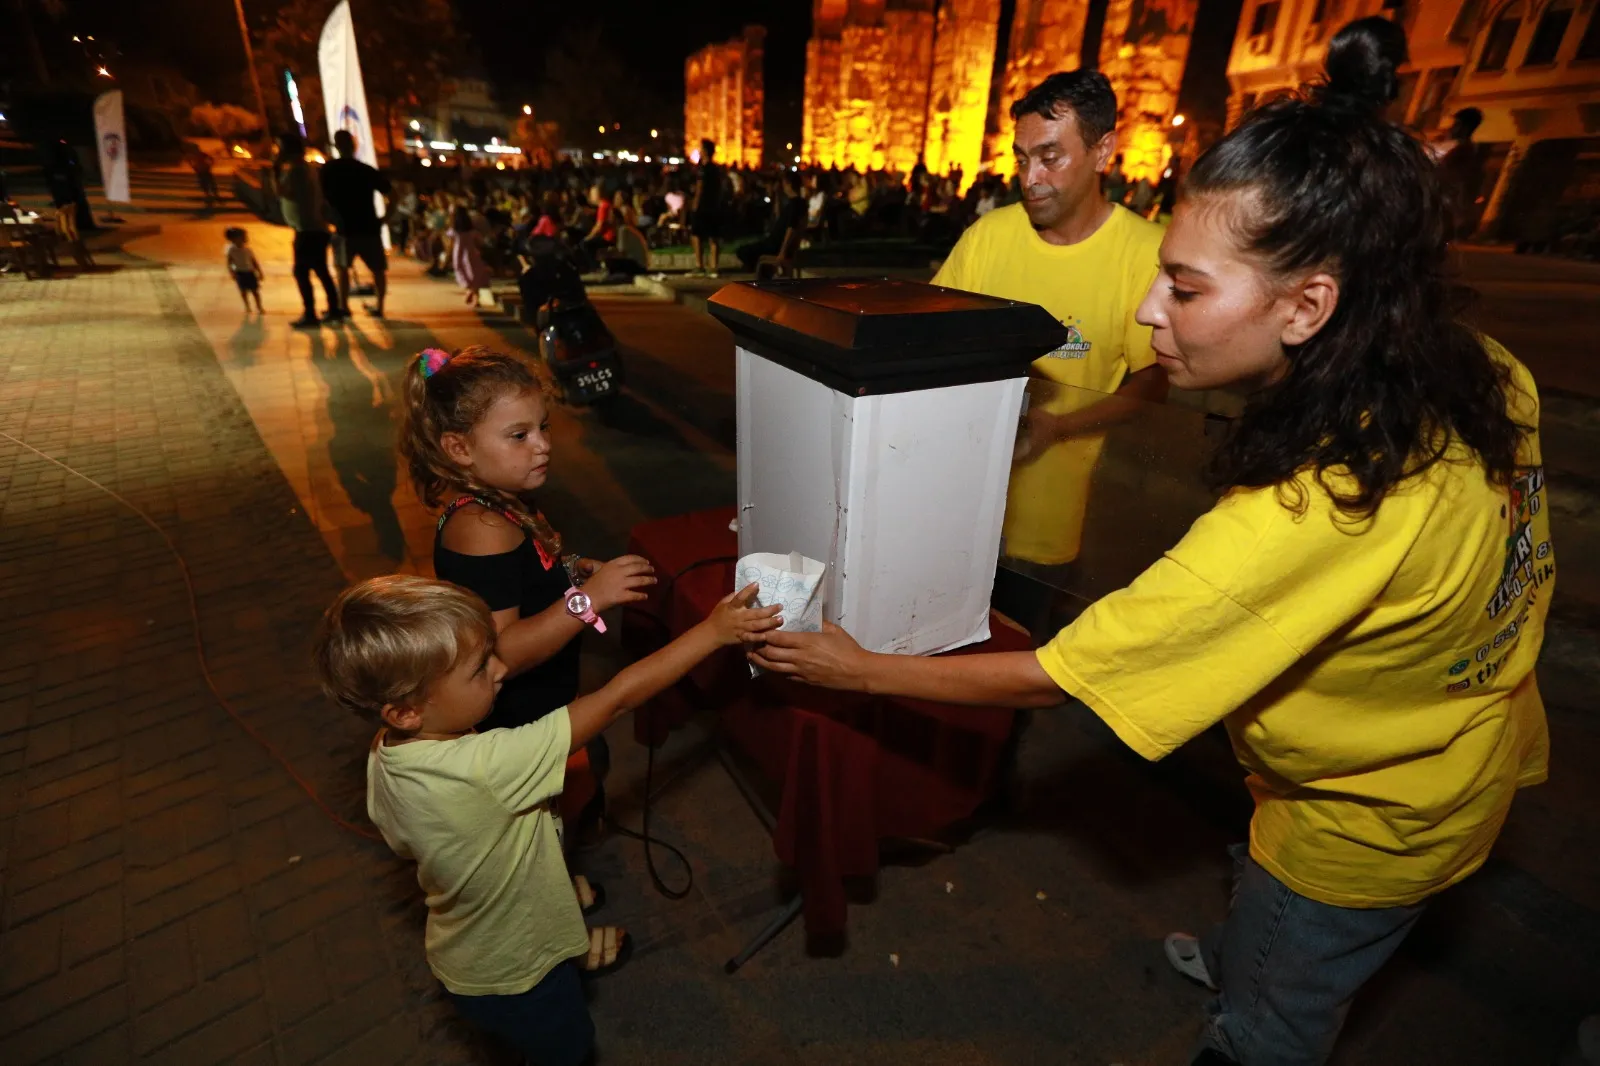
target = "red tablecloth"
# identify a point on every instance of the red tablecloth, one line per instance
(852, 769)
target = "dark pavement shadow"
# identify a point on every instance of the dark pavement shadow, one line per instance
(360, 406)
(246, 341)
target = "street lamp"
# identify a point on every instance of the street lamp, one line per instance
(1178, 120)
(255, 78)
(602, 129)
(527, 109)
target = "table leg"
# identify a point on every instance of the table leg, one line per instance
(773, 928)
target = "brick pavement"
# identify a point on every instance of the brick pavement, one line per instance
(169, 894)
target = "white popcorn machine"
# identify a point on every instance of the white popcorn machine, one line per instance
(876, 425)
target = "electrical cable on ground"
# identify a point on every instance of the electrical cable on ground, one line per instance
(200, 648)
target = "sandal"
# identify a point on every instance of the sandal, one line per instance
(610, 948)
(591, 897)
(1183, 951)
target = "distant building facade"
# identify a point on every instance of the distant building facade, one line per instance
(724, 98)
(892, 82)
(1534, 72)
(1046, 37)
(1533, 69)
(467, 111)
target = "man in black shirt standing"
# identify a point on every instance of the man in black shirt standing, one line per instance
(706, 210)
(348, 186)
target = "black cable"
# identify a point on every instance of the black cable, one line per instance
(643, 835)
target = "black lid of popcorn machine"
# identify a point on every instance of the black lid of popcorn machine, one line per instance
(865, 336)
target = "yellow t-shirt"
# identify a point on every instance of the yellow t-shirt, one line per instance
(1093, 288)
(1376, 680)
(475, 815)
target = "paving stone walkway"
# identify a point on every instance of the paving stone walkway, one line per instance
(170, 895)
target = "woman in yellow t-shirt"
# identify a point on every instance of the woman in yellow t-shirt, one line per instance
(1364, 606)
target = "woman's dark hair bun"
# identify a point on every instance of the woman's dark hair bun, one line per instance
(1364, 58)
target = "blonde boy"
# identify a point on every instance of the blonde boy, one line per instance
(473, 810)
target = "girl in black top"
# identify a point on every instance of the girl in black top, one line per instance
(476, 439)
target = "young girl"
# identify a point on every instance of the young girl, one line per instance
(476, 440)
(244, 266)
(466, 254)
(1364, 606)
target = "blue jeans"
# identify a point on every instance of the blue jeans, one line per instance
(549, 1023)
(1288, 967)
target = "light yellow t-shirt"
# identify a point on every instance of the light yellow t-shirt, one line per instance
(475, 815)
(1093, 288)
(1376, 680)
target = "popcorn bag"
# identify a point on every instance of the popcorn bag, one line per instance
(791, 580)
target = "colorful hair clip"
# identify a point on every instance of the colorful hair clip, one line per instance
(432, 360)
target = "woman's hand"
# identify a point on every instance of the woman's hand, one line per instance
(589, 567)
(622, 580)
(735, 623)
(830, 659)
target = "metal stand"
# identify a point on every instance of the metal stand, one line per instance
(780, 920)
(773, 928)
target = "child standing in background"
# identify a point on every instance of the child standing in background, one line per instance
(244, 266)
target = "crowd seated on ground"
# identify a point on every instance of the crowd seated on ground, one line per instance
(588, 207)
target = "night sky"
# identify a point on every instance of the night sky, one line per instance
(654, 39)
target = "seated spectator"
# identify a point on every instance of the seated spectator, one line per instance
(788, 226)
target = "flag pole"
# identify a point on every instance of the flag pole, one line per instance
(255, 77)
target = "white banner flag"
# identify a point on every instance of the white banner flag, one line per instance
(344, 95)
(111, 137)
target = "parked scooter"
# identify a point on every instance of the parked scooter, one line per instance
(574, 342)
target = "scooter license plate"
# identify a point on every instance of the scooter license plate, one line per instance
(595, 379)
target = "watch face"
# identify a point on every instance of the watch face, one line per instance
(578, 604)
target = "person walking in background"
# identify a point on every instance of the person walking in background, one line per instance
(300, 194)
(349, 187)
(200, 162)
(1460, 161)
(707, 209)
(244, 266)
(603, 234)
(466, 254)
(1116, 182)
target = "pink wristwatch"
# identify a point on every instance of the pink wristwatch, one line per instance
(581, 607)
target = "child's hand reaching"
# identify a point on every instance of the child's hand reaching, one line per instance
(733, 622)
(622, 580)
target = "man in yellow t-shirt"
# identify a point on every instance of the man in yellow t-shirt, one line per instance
(1089, 263)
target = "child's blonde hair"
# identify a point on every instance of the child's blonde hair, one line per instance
(450, 393)
(385, 640)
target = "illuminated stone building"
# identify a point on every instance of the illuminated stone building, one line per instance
(723, 98)
(886, 84)
(1046, 36)
(958, 97)
(1532, 68)
(1280, 45)
(1143, 50)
